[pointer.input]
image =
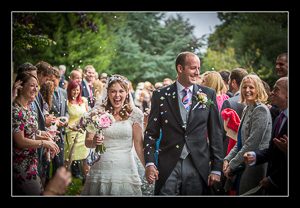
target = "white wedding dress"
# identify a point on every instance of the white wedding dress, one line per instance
(116, 173)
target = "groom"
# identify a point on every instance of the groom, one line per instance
(191, 136)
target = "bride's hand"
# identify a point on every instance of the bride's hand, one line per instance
(151, 174)
(97, 140)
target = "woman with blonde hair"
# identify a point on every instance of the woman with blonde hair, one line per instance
(215, 81)
(98, 86)
(254, 134)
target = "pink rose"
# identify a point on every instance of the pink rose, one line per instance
(105, 121)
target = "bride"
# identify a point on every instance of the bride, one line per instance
(116, 172)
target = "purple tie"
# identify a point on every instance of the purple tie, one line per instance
(278, 125)
(186, 100)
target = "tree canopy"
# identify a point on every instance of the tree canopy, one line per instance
(249, 40)
(143, 45)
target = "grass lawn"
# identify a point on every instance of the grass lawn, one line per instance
(75, 186)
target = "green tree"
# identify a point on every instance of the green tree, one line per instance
(217, 60)
(257, 39)
(79, 42)
(148, 44)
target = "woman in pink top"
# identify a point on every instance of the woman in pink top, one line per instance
(214, 80)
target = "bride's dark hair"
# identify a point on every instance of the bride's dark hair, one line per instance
(124, 83)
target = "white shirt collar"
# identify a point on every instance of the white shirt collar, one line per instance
(180, 87)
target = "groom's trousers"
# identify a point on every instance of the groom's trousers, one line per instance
(184, 180)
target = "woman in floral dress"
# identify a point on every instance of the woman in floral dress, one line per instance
(26, 180)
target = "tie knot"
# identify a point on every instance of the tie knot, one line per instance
(186, 89)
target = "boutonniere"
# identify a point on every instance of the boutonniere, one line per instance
(203, 100)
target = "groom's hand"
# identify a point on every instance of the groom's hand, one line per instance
(213, 178)
(151, 174)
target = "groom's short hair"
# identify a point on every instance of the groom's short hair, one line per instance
(181, 58)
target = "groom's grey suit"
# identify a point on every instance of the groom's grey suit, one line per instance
(183, 150)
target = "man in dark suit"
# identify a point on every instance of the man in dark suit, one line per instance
(185, 152)
(60, 110)
(87, 87)
(276, 181)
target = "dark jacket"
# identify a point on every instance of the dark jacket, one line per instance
(203, 122)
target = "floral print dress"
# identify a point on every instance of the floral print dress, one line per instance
(25, 175)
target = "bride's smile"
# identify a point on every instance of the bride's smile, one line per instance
(117, 96)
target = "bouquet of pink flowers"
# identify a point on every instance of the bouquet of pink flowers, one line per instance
(94, 121)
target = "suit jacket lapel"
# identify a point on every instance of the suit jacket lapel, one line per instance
(173, 102)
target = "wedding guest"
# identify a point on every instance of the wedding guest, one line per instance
(96, 76)
(65, 84)
(104, 81)
(79, 70)
(282, 65)
(204, 76)
(145, 98)
(167, 82)
(158, 85)
(235, 79)
(22, 68)
(253, 134)
(275, 182)
(137, 94)
(27, 67)
(47, 91)
(98, 86)
(75, 75)
(41, 111)
(62, 71)
(26, 178)
(268, 91)
(44, 74)
(77, 106)
(214, 81)
(60, 110)
(87, 87)
(103, 75)
(47, 95)
(282, 71)
(225, 76)
(131, 90)
(199, 79)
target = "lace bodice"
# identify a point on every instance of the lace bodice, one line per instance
(117, 164)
